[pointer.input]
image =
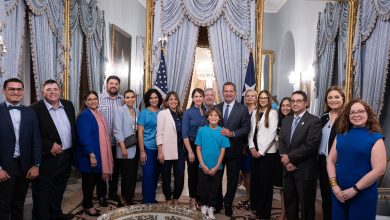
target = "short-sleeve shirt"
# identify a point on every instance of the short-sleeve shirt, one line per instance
(211, 141)
(148, 120)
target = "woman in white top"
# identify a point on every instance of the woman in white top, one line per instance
(125, 124)
(262, 145)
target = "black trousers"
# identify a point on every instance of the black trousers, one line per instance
(178, 175)
(101, 186)
(88, 183)
(128, 170)
(13, 194)
(261, 191)
(299, 193)
(48, 191)
(208, 188)
(326, 191)
(232, 171)
(192, 170)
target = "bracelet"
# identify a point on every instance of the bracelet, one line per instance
(332, 181)
(355, 188)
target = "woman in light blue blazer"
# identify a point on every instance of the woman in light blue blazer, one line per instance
(125, 124)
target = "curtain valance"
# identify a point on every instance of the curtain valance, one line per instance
(328, 27)
(206, 13)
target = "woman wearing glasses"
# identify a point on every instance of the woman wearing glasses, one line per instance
(360, 155)
(334, 101)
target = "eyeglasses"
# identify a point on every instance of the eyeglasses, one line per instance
(263, 98)
(15, 89)
(298, 101)
(92, 100)
(357, 113)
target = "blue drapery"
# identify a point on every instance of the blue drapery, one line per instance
(372, 52)
(229, 24)
(12, 16)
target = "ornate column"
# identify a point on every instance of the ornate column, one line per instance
(148, 45)
(65, 88)
(259, 41)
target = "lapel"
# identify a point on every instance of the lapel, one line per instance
(170, 118)
(7, 116)
(46, 114)
(67, 111)
(299, 125)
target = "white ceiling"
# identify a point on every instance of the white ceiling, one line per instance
(270, 6)
(273, 6)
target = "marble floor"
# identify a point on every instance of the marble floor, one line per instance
(73, 197)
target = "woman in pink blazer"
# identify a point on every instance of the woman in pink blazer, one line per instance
(170, 147)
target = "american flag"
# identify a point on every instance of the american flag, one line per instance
(250, 80)
(161, 79)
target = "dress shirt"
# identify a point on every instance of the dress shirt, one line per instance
(62, 123)
(192, 121)
(108, 106)
(15, 117)
(230, 107)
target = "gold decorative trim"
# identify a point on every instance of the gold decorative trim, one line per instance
(148, 45)
(349, 71)
(259, 41)
(271, 54)
(65, 88)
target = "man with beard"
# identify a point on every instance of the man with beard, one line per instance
(209, 98)
(109, 101)
(57, 128)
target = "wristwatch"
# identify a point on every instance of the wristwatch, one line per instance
(37, 165)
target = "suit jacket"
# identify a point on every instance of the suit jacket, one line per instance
(166, 135)
(303, 148)
(239, 123)
(87, 131)
(49, 134)
(29, 139)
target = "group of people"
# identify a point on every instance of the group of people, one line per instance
(282, 147)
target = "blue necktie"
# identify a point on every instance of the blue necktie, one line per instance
(294, 125)
(226, 114)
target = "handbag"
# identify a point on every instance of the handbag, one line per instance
(132, 139)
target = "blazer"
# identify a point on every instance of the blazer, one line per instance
(29, 140)
(333, 131)
(303, 148)
(239, 123)
(49, 134)
(124, 125)
(166, 135)
(265, 136)
(87, 132)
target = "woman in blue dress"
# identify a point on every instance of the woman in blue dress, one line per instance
(147, 124)
(355, 162)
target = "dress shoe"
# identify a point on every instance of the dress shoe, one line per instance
(103, 202)
(228, 210)
(64, 216)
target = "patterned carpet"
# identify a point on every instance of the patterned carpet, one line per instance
(73, 197)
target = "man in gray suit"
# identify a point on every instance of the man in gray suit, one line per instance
(299, 140)
(236, 126)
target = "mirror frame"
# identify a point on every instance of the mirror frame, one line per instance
(271, 62)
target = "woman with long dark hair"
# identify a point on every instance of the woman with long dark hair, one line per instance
(193, 119)
(170, 147)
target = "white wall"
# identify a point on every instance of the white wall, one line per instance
(300, 17)
(130, 16)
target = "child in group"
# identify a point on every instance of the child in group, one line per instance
(210, 150)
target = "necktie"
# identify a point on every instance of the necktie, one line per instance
(11, 107)
(226, 114)
(294, 125)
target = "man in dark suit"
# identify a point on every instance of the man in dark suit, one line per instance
(299, 140)
(236, 126)
(57, 128)
(20, 150)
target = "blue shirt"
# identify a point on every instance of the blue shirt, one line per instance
(211, 141)
(61, 121)
(192, 120)
(148, 120)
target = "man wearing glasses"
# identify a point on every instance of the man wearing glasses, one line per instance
(20, 150)
(299, 140)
